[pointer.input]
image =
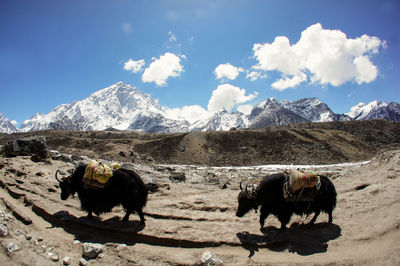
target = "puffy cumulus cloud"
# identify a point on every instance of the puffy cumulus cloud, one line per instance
(190, 113)
(227, 71)
(245, 108)
(289, 82)
(327, 56)
(226, 96)
(134, 66)
(254, 75)
(168, 65)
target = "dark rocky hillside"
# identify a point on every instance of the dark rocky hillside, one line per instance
(303, 143)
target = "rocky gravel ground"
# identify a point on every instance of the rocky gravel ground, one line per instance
(191, 218)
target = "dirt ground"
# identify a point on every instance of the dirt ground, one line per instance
(186, 220)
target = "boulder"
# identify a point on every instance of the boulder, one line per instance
(209, 259)
(177, 177)
(34, 146)
(92, 250)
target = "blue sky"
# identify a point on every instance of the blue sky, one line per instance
(198, 56)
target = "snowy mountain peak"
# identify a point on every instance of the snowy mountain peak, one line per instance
(361, 110)
(6, 126)
(119, 106)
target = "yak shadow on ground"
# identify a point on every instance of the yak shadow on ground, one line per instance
(97, 230)
(299, 238)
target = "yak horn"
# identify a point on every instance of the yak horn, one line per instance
(250, 195)
(57, 176)
(241, 188)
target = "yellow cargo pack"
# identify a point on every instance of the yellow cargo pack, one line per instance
(97, 171)
(302, 179)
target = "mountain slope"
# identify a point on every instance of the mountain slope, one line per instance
(375, 110)
(311, 109)
(222, 120)
(6, 126)
(119, 106)
(270, 112)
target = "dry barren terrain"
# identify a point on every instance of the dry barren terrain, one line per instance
(191, 220)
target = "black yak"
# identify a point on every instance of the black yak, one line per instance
(125, 188)
(269, 194)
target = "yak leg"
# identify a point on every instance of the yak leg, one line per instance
(315, 217)
(330, 217)
(90, 215)
(284, 218)
(263, 215)
(126, 217)
(142, 219)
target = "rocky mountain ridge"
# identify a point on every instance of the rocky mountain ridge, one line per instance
(124, 107)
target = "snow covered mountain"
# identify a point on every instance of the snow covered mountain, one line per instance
(311, 109)
(119, 106)
(222, 120)
(124, 107)
(6, 126)
(271, 112)
(375, 110)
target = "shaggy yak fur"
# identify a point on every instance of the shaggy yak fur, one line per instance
(269, 194)
(124, 188)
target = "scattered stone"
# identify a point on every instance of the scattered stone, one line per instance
(92, 250)
(28, 237)
(76, 157)
(128, 166)
(209, 259)
(76, 242)
(67, 261)
(55, 155)
(66, 158)
(10, 247)
(181, 148)
(122, 154)
(40, 239)
(55, 258)
(177, 177)
(152, 187)
(223, 185)
(3, 230)
(83, 262)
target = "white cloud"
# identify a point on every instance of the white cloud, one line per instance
(127, 28)
(254, 75)
(226, 96)
(190, 113)
(134, 66)
(328, 56)
(245, 108)
(168, 65)
(288, 82)
(172, 37)
(227, 71)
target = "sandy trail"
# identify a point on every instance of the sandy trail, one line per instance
(185, 219)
